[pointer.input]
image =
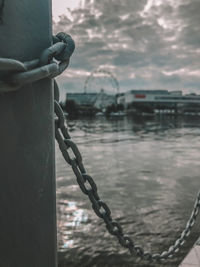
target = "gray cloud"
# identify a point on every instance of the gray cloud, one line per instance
(147, 44)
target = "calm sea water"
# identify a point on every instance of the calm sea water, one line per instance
(147, 170)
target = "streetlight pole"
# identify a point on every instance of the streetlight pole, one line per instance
(27, 161)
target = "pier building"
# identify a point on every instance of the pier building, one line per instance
(98, 100)
(160, 100)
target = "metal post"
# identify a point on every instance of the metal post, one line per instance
(27, 172)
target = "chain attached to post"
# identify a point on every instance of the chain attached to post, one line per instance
(19, 73)
(16, 75)
(89, 188)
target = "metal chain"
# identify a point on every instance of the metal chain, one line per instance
(89, 188)
(17, 74)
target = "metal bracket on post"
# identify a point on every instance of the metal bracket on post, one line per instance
(27, 171)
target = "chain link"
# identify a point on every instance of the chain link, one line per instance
(89, 188)
(17, 74)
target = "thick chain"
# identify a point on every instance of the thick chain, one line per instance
(89, 188)
(19, 73)
(15, 74)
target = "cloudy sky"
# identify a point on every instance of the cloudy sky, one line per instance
(151, 44)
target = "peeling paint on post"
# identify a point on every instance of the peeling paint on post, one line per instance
(27, 171)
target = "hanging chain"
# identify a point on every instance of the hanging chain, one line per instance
(89, 188)
(19, 73)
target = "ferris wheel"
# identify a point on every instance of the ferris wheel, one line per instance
(101, 80)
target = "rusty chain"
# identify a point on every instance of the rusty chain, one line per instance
(89, 188)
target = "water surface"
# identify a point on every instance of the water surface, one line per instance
(146, 170)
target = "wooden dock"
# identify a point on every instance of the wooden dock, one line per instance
(193, 257)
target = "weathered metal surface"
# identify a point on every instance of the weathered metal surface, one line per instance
(27, 184)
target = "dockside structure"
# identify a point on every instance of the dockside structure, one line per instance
(159, 99)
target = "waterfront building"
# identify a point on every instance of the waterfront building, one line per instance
(160, 100)
(98, 100)
(82, 99)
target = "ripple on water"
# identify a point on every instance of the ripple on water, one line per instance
(70, 218)
(148, 173)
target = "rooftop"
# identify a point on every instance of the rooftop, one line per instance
(166, 92)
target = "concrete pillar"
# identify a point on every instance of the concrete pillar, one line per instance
(27, 171)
